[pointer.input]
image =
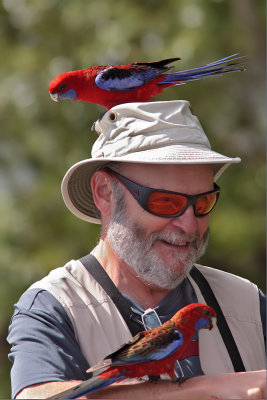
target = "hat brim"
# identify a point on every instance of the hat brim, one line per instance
(76, 184)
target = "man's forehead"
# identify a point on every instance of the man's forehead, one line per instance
(191, 178)
(146, 168)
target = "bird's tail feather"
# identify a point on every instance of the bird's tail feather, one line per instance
(221, 66)
(88, 386)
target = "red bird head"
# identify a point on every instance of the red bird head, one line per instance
(65, 86)
(195, 316)
(78, 85)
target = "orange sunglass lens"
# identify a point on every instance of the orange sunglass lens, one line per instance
(205, 204)
(166, 203)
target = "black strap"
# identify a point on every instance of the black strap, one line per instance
(221, 321)
(100, 275)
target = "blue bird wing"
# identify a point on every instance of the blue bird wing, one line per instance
(152, 349)
(119, 80)
(142, 348)
(155, 354)
(128, 77)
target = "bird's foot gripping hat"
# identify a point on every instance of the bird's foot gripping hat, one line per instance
(163, 132)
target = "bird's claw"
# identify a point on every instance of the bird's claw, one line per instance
(180, 380)
(154, 378)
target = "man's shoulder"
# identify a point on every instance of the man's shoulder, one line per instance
(60, 275)
(237, 295)
(213, 274)
(39, 303)
(73, 286)
(33, 297)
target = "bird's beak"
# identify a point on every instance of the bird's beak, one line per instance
(54, 96)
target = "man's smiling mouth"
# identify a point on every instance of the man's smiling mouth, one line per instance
(181, 244)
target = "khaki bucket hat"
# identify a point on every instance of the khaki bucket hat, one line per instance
(162, 132)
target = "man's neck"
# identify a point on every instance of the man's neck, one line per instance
(126, 278)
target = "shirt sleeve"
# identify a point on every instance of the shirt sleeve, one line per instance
(43, 344)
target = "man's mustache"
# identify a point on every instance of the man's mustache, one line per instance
(176, 238)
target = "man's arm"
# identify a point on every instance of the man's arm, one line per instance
(43, 344)
(242, 385)
(45, 390)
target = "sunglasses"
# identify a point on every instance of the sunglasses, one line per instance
(165, 203)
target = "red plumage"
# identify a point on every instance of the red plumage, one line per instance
(136, 82)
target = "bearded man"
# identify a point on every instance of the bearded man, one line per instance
(151, 183)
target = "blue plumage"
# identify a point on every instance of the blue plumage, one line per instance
(155, 353)
(205, 70)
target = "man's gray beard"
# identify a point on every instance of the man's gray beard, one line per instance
(131, 244)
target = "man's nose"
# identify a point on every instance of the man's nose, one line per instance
(187, 222)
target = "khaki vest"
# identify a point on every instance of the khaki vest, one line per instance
(100, 329)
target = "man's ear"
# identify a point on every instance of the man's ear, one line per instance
(102, 192)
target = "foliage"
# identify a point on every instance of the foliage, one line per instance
(40, 140)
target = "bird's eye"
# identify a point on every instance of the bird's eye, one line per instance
(62, 87)
(206, 312)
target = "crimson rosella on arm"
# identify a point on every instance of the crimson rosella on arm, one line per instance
(149, 353)
(109, 86)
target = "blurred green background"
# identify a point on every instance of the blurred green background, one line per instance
(41, 139)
